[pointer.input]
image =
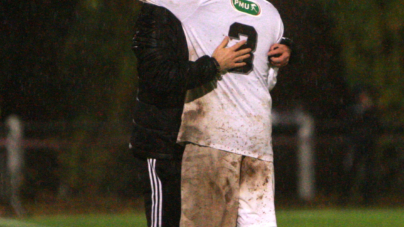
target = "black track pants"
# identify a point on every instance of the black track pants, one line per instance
(161, 182)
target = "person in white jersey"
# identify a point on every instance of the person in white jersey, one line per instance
(227, 172)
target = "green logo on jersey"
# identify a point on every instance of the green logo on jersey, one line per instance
(246, 7)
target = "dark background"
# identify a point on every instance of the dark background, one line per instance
(67, 70)
(34, 35)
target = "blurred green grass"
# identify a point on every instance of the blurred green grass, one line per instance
(341, 218)
(286, 218)
(89, 220)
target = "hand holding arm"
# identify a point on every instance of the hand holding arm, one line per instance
(279, 55)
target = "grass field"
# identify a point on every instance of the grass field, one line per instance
(341, 218)
(286, 218)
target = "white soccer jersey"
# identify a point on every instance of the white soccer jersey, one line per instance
(234, 113)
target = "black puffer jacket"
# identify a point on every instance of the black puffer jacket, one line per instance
(165, 74)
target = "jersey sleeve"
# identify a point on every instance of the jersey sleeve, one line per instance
(273, 71)
(281, 30)
(182, 9)
(272, 77)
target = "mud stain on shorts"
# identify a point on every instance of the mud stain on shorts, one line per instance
(255, 175)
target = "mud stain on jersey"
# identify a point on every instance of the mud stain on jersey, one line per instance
(266, 181)
(194, 114)
(193, 126)
(190, 132)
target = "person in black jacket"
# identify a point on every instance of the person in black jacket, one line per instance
(164, 75)
(363, 127)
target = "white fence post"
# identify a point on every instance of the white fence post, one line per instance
(305, 151)
(306, 175)
(15, 161)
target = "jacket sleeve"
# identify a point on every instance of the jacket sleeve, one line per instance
(162, 53)
(295, 55)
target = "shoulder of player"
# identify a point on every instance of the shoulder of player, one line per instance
(270, 6)
(268, 3)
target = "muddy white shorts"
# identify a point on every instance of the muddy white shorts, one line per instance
(256, 199)
(223, 189)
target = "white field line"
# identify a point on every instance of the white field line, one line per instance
(5, 222)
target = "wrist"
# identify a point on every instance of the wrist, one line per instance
(218, 68)
(286, 41)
